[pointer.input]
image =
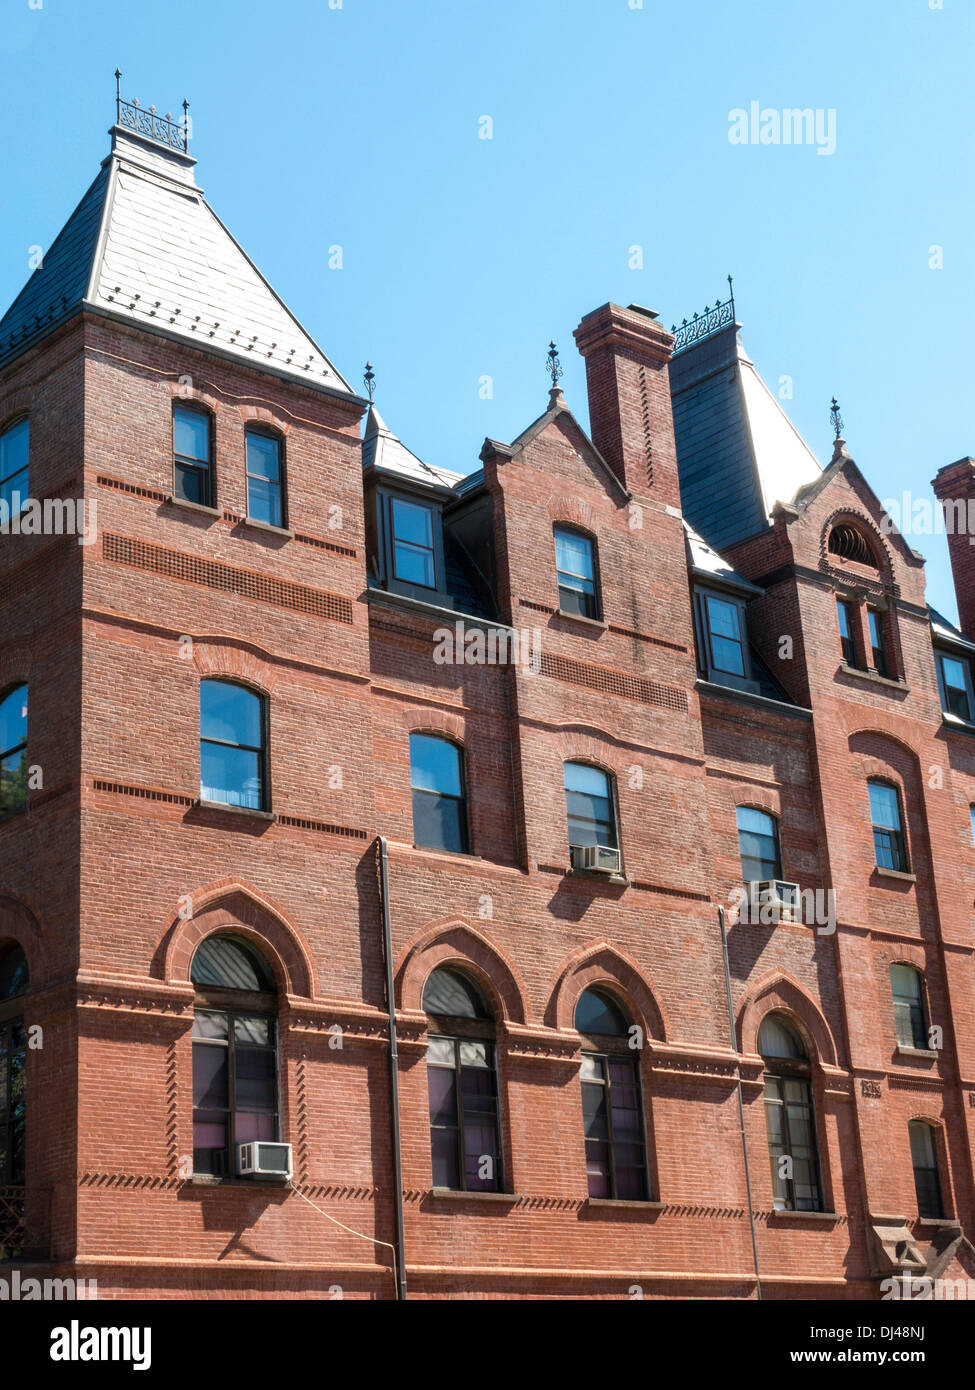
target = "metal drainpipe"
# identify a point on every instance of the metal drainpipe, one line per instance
(393, 1073)
(741, 1103)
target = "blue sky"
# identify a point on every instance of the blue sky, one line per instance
(358, 126)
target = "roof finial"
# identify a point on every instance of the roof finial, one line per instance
(370, 380)
(118, 94)
(837, 420)
(731, 295)
(554, 365)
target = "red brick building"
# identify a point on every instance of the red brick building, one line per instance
(301, 709)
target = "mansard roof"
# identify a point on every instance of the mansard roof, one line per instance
(386, 453)
(738, 453)
(144, 246)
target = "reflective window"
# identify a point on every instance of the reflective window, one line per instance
(232, 745)
(439, 799)
(924, 1159)
(575, 562)
(234, 1054)
(13, 751)
(907, 987)
(590, 806)
(413, 549)
(888, 837)
(465, 1139)
(724, 622)
(14, 980)
(612, 1105)
(14, 467)
(596, 1012)
(265, 493)
(846, 613)
(790, 1118)
(192, 473)
(956, 685)
(758, 844)
(878, 641)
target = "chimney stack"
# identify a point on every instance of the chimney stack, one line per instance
(627, 352)
(954, 487)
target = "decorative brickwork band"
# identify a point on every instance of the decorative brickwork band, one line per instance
(611, 682)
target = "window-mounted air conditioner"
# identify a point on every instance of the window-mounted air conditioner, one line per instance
(775, 899)
(596, 859)
(264, 1160)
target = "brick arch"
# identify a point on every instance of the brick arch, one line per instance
(192, 395)
(572, 511)
(261, 415)
(886, 736)
(20, 926)
(235, 906)
(226, 658)
(603, 964)
(578, 747)
(435, 721)
(456, 943)
(15, 668)
(758, 799)
(871, 534)
(780, 994)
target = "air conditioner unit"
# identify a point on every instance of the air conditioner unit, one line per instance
(597, 859)
(264, 1160)
(773, 898)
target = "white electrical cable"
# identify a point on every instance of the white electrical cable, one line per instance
(339, 1223)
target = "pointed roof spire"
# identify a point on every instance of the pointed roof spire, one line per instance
(839, 443)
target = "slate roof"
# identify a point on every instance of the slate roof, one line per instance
(145, 246)
(737, 451)
(385, 451)
(940, 627)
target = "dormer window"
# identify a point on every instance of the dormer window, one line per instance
(414, 556)
(410, 548)
(575, 563)
(955, 679)
(722, 636)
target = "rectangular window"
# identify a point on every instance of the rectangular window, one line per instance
(192, 474)
(589, 806)
(234, 1087)
(846, 613)
(888, 837)
(13, 1063)
(924, 1158)
(956, 685)
(265, 494)
(758, 845)
(725, 636)
(612, 1111)
(439, 798)
(575, 563)
(14, 460)
(878, 643)
(792, 1144)
(464, 1131)
(906, 988)
(413, 548)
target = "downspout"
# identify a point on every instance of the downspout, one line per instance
(393, 1073)
(741, 1103)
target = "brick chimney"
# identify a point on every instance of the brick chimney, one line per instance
(954, 487)
(627, 352)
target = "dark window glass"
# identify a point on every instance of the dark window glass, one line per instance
(790, 1118)
(439, 801)
(234, 1054)
(596, 1012)
(888, 838)
(955, 679)
(14, 975)
(878, 642)
(758, 844)
(907, 989)
(413, 549)
(465, 1137)
(927, 1182)
(193, 479)
(846, 613)
(612, 1117)
(575, 562)
(13, 1079)
(13, 751)
(14, 462)
(232, 745)
(265, 500)
(725, 635)
(589, 806)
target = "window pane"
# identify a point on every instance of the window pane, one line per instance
(192, 484)
(449, 992)
(443, 1144)
(884, 806)
(954, 673)
(441, 1085)
(13, 783)
(438, 822)
(210, 1076)
(15, 452)
(263, 457)
(777, 1039)
(230, 713)
(222, 961)
(723, 619)
(249, 1126)
(230, 775)
(264, 501)
(758, 844)
(588, 799)
(191, 433)
(250, 1028)
(209, 1025)
(412, 522)
(414, 566)
(255, 1079)
(596, 1013)
(573, 554)
(13, 719)
(955, 677)
(434, 765)
(843, 613)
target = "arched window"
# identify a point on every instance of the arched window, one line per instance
(465, 1139)
(233, 745)
(888, 835)
(789, 1115)
(850, 543)
(907, 987)
(13, 751)
(192, 456)
(265, 477)
(612, 1104)
(14, 980)
(14, 467)
(924, 1160)
(439, 795)
(758, 844)
(590, 804)
(578, 577)
(234, 1053)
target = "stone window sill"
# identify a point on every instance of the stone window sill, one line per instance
(247, 811)
(780, 1215)
(928, 1053)
(282, 531)
(946, 1222)
(895, 873)
(611, 1202)
(252, 1184)
(458, 1195)
(862, 673)
(193, 507)
(580, 618)
(594, 876)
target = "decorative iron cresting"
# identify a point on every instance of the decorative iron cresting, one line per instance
(704, 324)
(164, 130)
